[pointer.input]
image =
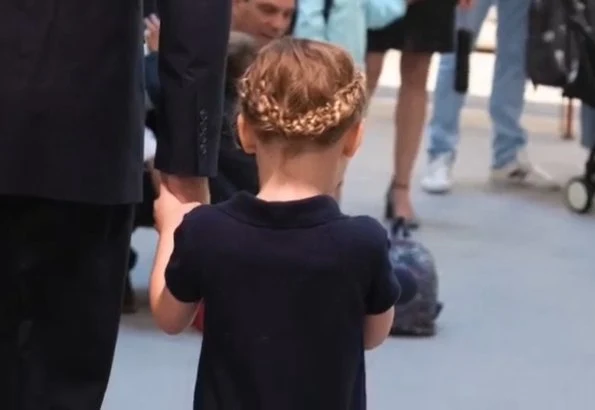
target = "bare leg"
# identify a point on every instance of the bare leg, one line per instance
(409, 121)
(374, 63)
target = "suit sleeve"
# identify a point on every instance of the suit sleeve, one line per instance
(192, 53)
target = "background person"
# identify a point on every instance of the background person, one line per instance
(427, 27)
(265, 20)
(510, 162)
(339, 22)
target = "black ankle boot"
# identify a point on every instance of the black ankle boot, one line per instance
(389, 215)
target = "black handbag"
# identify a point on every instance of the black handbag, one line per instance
(548, 54)
(561, 47)
(581, 29)
(414, 268)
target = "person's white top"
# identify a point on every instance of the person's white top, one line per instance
(150, 145)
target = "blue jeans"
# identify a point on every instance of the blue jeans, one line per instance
(508, 86)
(346, 25)
(587, 126)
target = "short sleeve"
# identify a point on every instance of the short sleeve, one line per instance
(182, 275)
(383, 289)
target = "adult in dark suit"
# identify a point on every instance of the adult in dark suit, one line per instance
(71, 111)
(263, 20)
(149, 7)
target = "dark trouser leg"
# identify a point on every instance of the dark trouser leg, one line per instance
(129, 303)
(143, 217)
(60, 302)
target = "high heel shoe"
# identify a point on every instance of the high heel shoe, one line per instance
(389, 215)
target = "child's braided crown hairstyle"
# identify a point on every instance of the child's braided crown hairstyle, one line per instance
(302, 91)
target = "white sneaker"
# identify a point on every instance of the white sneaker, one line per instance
(438, 175)
(521, 172)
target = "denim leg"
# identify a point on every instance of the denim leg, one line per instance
(587, 126)
(508, 87)
(346, 28)
(443, 127)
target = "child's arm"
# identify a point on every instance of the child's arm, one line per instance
(382, 289)
(398, 285)
(171, 315)
(377, 328)
(174, 291)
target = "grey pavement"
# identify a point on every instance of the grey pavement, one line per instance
(517, 275)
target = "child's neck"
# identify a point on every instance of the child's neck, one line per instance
(304, 176)
(278, 190)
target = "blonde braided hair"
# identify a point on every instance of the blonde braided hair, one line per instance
(302, 91)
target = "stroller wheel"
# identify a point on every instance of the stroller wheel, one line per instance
(579, 195)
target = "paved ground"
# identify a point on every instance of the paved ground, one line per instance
(517, 279)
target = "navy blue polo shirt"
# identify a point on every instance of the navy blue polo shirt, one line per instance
(286, 286)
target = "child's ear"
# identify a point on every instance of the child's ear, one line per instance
(246, 136)
(353, 139)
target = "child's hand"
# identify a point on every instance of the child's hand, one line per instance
(169, 211)
(153, 26)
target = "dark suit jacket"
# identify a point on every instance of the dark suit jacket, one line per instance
(237, 171)
(72, 99)
(192, 54)
(152, 84)
(149, 7)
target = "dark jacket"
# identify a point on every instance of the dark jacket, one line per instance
(149, 7)
(72, 99)
(152, 77)
(237, 170)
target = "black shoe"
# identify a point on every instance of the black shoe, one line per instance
(412, 223)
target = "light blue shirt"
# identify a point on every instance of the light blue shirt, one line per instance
(346, 25)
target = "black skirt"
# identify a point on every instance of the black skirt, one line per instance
(427, 27)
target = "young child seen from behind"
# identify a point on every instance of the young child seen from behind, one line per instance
(294, 290)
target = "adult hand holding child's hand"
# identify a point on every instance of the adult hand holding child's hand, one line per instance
(169, 210)
(186, 189)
